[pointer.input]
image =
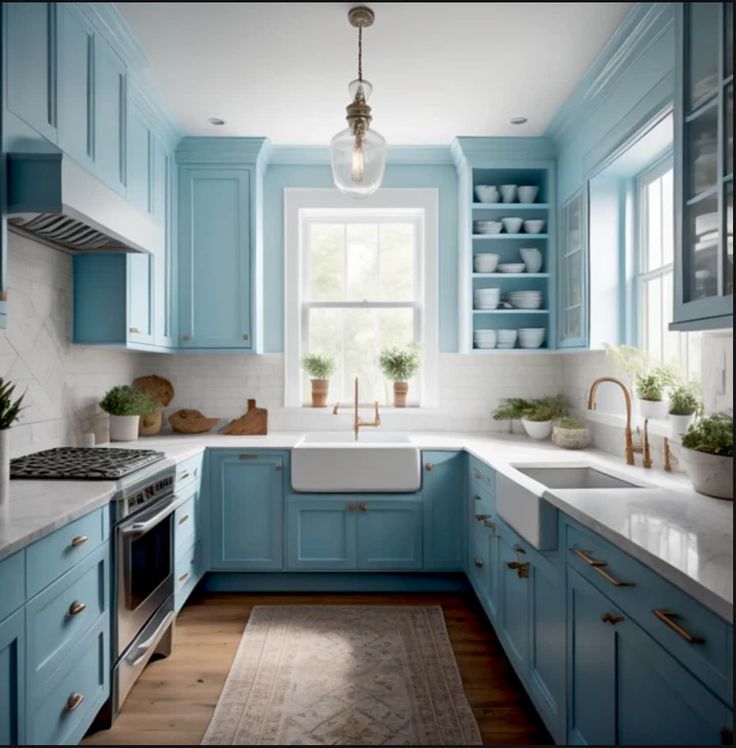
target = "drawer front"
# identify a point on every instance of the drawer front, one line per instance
(12, 583)
(481, 477)
(185, 524)
(188, 472)
(55, 554)
(63, 613)
(695, 636)
(63, 710)
(188, 573)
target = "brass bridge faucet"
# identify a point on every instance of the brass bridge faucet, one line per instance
(358, 422)
(629, 443)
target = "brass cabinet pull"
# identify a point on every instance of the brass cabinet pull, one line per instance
(78, 540)
(477, 498)
(429, 467)
(351, 506)
(479, 563)
(183, 476)
(186, 337)
(612, 619)
(277, 468)
(611, 580)
(184, 576)
(666, 617)
(513, 564)
(481, 517)
(519, 549)
(183, 519)
(247, 457)
(363, 507)
(76, 608)
(133, 329)
(74, 701)
(588, 559)
(521, 569)
(490, 525)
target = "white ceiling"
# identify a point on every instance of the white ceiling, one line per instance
(438, 69)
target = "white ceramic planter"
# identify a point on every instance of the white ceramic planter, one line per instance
(653, 408)
(124, 428)
(4, 466)
(679, 424)
(711, 475)
(537, 429)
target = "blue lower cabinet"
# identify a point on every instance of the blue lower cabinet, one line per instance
(625, 688)
(321, 533)
(390, 533)
(513, 593)
(188, 570)
(12, 679)
(247, 497)
(443, 489)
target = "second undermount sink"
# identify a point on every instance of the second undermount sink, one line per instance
(334, 462)
(565, 477)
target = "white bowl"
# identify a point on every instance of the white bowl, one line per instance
(485, 263)
(508, 193)
(512, 225)
(534, 225)
(487, 193)
(487, 227)
(486, 298)
(525, 299)
(531, 337)
(527, 193)
(512, 267)
(484, 338)
(532, 259)
(506, 338)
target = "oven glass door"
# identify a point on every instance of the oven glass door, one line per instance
(149, 562)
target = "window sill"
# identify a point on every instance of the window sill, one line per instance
(655, 426)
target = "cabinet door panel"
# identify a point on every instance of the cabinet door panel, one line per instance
(390, 533)
(442, 491)
(215, 258)
(322, 533)
(12, 679)
(140, 298)
(247, 512)
(138, 156)
(514, 607)
(110, 115)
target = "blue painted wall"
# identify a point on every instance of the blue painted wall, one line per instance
(280, 176)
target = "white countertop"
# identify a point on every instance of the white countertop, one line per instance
(684, 536)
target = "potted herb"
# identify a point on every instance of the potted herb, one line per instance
(125, 405)
(9, 410)
(569, 433)
(399, 365)
(707, 455)
(319, 368)
(537, 420)
(685, 405)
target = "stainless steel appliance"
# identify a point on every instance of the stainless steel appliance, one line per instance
(142, 513)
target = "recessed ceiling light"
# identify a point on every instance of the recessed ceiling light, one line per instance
(518, 120)
(216, 121)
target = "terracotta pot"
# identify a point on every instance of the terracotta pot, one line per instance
(320, 388)
(151, 424)
(400, 391)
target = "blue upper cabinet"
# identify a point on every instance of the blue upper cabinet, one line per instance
(704, 167)
(30, 57)
(572, 279)
(217, 242)
(139, 157)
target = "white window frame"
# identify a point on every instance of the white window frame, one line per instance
(305, 205)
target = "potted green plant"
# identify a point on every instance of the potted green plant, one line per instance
(707, 455)
(538, 418)
(9, 411)
(399, 365)
(569, 433)
(319, 368)
(125, 405)
(685, 405)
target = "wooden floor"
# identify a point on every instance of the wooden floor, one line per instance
(173, 700)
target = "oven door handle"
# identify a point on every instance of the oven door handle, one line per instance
(142, 649)
(141, 528)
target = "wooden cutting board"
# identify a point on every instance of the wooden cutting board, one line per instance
(253, 423)
(191, 422)
(158, 387)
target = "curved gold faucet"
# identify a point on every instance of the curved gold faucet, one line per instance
(627, 398)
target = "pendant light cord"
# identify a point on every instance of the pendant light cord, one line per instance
(360, 53)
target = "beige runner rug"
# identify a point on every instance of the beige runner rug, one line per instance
(343, 675)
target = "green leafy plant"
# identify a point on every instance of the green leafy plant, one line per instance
(650, 379)
(569, 424)
(512, 408)
(540, 409)
(318, 366)
(712, 435)
(400, 364)
(685, 400)
(124, 400)
(540, 414)
(9, 408)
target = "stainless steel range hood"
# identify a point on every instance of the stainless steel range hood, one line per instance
(57, 202)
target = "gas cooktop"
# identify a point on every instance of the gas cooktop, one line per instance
(82, 463)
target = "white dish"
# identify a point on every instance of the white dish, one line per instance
(484, 338)
(527, 193)
(486, 298)
(508, 193)
(512, 267)
(531, 337)
(485, 263)
(525, 300)
(534, 225)
(532, 259)
(512, 225)
(487, 193)
(487, 227)
(506, 338)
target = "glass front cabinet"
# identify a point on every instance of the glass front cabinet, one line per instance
(572, 273)
(704, 167)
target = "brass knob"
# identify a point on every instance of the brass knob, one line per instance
(78, 540)
(363, 507)
(351, 506)
(477, 498)
(183, 519)
(133, 329)
(186, 337)
(612, 619)
(76, 608)
(245, 336)
(74, 701)
(429, 467)
(479, 564)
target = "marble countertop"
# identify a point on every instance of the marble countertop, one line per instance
(684, 536)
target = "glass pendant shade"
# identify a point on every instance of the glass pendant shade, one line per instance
(358, 163)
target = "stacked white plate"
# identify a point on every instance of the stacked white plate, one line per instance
(487, 227)
(486, 298)
(484, 338)
(531, 337)
(525, 299)
(506, 338)
(485, 262)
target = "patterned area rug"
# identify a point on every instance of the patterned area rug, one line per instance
(343, 675)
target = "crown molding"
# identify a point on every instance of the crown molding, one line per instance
(478, 150)
(107, 19)
(641, 28)
(225, 150)
(319, 155)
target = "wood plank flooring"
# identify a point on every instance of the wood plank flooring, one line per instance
(173, 700)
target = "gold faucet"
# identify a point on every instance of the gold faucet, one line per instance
(646, 460)
(629, 448)
(358, 421)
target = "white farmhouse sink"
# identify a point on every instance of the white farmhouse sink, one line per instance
(333, 462)
(567, 478)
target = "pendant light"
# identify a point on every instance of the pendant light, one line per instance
(358, 153)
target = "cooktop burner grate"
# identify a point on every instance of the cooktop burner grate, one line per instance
(82, 463)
